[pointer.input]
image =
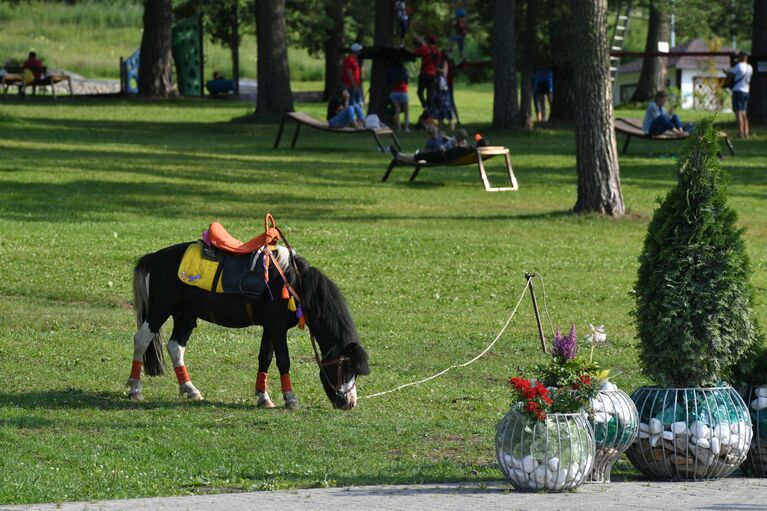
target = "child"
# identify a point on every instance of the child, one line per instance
(436, 142)
(397, 80)
(441, 107)
(403, 20)
(460, 29)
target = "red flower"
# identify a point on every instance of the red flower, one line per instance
(585, 379)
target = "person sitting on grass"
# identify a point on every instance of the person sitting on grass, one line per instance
(657, 121)
(342, 114)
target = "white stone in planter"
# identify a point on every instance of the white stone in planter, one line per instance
(607, 385)
(644, 434)
(700, 430)
(528, 464)
(655, 440)
(644, 427)
(761, 391)
(721, 430)
(667, 435)
(553, 464)
(572, 472)
(716, 448)
(679, 428)
(656, 426)
(520, 476)
(602, 417)
(540, 475)
(703, 443)
(759, 403)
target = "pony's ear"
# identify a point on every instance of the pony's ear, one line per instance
(359, 358)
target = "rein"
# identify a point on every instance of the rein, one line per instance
(321, 363)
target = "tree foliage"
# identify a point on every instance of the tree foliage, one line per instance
(693, 297)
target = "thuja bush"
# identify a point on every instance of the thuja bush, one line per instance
(693, 295)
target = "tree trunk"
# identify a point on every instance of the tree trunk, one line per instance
(528, 60)
(757, 102)
(274, 94)
(384, 29)
(334, 39)
(561, 37)
(599, 187)
(505, 104)
(653, 75)
(155, 73)
(235, 47)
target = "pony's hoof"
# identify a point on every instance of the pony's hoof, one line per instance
(263, 400)
(190, 391)
(291, 401)
(196, 397)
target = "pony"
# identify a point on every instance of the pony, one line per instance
(160, 294)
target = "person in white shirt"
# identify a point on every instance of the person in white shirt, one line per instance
(741, 78)
(657, 121)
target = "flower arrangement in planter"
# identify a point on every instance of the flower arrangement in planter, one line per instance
(694, 318)
(545, 442)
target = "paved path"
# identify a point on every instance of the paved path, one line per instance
(741, 494)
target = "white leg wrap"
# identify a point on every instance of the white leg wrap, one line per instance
(141, 341)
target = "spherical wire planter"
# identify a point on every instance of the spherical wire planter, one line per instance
(756, 463)
(616, 426)
(690, 433)
(552, 455)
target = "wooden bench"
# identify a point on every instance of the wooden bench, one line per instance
(302, 118)
(478, 156)
(633, 128)
(15, 78)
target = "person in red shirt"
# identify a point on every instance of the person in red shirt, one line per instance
(352, 75)
(430, 61)
(34, 64)
(397, 80)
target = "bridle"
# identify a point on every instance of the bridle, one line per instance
(322, 364)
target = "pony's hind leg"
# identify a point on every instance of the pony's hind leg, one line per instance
(140, 343)
(182, 330)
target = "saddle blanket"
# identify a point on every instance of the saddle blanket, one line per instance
(213, 270)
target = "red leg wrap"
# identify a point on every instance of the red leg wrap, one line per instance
(182, 375)
(285, 381)
(261, 382)
(135, 370)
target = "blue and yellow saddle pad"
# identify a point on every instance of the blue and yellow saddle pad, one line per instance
(214, 270)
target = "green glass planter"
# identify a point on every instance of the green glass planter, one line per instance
(616, 425)
(756, 462)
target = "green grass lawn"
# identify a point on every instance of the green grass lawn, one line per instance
(431, 271)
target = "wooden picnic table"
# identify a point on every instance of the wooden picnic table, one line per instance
(17, 80)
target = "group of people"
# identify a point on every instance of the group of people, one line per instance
(658, 120)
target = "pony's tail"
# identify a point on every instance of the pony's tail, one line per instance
(154, 362)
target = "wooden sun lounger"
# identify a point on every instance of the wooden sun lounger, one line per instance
(303, 118)
(478, 156)
(633, 128)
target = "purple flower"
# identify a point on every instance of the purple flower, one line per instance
(206, 237)
(566, 346)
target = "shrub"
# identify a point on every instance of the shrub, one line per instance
(693, 296)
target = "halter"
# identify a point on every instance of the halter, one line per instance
(321, 362)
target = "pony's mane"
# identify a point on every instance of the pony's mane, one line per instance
(327, 313)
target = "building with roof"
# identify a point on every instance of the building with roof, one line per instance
(700, 80)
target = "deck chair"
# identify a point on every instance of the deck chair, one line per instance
(302, 118)
(633, 128)
(477, 157)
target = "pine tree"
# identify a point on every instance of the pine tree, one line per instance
(694, 301)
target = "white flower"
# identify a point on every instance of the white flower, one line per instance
(597, 334)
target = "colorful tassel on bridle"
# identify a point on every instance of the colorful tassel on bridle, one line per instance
(300, 315)
(285, 294)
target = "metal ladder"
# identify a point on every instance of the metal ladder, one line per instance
(619, 35)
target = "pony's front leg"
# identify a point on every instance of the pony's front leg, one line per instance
(185, 385)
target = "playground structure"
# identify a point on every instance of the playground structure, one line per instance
(188, 57)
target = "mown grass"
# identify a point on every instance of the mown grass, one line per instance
(431, 271)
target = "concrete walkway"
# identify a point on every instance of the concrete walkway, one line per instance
(742, 494)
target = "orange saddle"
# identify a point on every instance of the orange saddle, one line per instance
(221, 239)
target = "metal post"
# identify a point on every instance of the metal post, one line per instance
(529, 277)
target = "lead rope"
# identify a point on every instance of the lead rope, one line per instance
(444, 371)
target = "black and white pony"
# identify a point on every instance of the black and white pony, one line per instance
(160, 294)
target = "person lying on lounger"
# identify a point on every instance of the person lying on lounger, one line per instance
(455, 148)
(342, 114)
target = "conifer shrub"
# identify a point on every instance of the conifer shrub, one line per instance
(694, 301)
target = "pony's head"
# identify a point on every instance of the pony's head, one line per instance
(327, 316)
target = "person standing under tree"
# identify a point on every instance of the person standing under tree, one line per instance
(741, 78)
(430, 56)
(397, 80)
(352, 74)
